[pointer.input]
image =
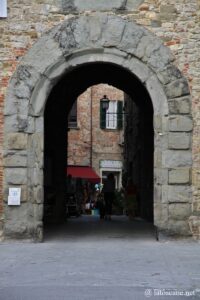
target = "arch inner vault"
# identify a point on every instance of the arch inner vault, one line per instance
(83, 41)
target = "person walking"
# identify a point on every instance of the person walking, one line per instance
(109, 194)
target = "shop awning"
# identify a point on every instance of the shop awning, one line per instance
(86, 173)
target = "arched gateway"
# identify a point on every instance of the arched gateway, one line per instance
(82, 41)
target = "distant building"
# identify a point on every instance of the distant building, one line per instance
(95, 136)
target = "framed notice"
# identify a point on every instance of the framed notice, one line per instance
(3, 8)
(14, 197)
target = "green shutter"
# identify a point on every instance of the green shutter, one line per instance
(102, 117)
(119, 114)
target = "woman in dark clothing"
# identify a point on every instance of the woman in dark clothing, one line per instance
(109, 193)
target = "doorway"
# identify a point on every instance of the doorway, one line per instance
(138, 135)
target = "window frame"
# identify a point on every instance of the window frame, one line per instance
(119, 116)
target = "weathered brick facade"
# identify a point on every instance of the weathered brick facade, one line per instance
(175, 23)
(88, 144)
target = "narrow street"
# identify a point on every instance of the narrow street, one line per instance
(91, 259)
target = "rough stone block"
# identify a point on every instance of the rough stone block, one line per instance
(158, 158)
(179, 140)
(160, 143)
(46, 48)
(179, 176)
(158, 123)
(39, 125)
(102, 5)
(16, 214)
(40, 93)
(19, 123)
(138, 68)
(180, 123)
(157, 193)
(131, 38)
(157, 95)
(22, 91)
(35, 143)
(169, 9)
(180, 105)
(164, 193)
(179, 228)
(179, 211)
(176, 158)
(160, 57)
(160, 176)
(113, 32)
(11, 124)
(177, 88)
(16, 141)
(15, 176)
(38, 195)
(175, 194)
(160, 215)
(14, 229)
(35, 176)
(169, 74)
(10, 106)
(38, 212)
(194, 223)
(13, 159)
(196, 207)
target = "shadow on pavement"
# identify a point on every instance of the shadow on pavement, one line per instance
(90, 227)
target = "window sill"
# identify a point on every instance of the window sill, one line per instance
(111, 129)
(75, 128)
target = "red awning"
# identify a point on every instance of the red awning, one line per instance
(83, 172)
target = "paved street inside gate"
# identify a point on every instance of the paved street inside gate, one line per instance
(91, 259)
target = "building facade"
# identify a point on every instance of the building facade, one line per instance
(96, 140)
(54, 50)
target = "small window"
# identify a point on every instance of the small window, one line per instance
(3, 8)
(72, 120)
(113, 117)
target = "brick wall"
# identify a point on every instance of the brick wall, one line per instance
(105, 143)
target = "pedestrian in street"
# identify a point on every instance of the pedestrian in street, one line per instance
(109, 194)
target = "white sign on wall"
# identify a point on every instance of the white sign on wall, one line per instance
(112, 164)
(3, 8)
(14, 196)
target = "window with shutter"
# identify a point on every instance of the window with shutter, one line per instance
(3, 8)
(113, 117)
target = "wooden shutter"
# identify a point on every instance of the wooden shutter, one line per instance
(102, 117)
(119, 114)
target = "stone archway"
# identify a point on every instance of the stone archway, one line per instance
(78, 41)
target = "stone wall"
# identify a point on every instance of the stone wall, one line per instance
(176, 23)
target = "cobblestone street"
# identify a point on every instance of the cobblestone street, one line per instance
(91, 259)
